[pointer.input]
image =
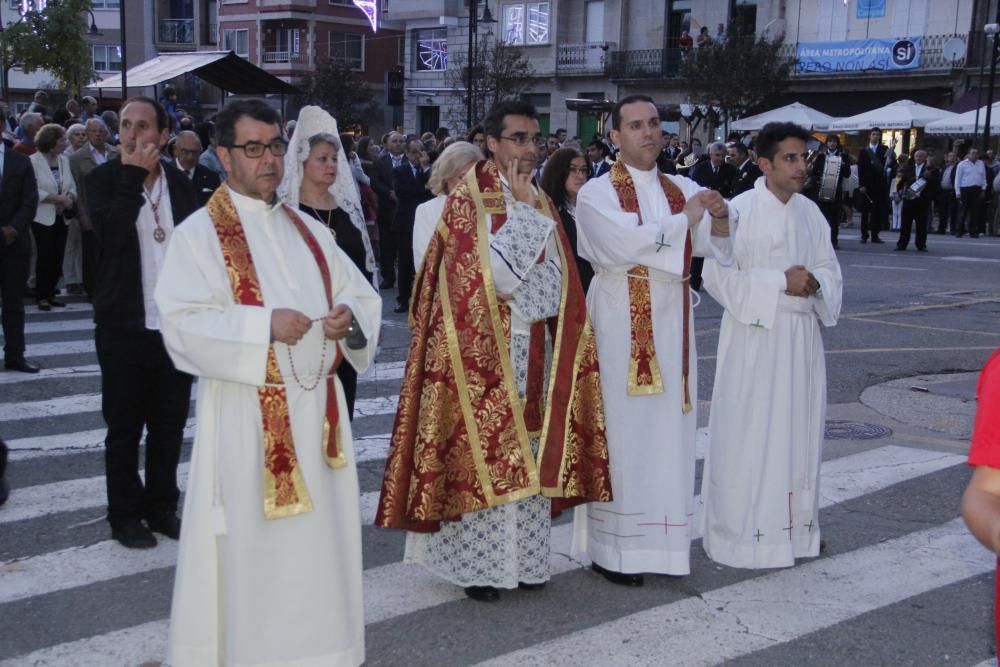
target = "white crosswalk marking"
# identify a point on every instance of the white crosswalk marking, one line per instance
(765, 610)
(759, 613)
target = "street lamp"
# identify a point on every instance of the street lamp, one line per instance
(991, 29)
(474, 22)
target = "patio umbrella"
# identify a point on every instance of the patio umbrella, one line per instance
(901, 115)
(796, 112)
(964, 124)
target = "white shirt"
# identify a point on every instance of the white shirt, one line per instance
(969, 175)
(151, 252)
(99, 157)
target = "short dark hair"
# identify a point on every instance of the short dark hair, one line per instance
(225, 121)
(478, 129)
(835, 137)
(347, 141)
(773, 134)
(48, 136)
(555, 173)
(162, 122)
(493, 123)
(601, 146)
(875, 129)
(616, 111)
(740, 147)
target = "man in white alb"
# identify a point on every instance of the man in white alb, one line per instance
(760, 486)
(639, 229)
(261, 305)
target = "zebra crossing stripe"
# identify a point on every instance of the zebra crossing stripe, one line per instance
(89, 370)
(773, 609)
(127, 647)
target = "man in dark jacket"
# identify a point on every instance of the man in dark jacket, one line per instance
(382, 185)
(873, 191)
(917, 185)
(18, 201)
(135, 202)
(829, 205)
(715, 174)
(409, 182)
(747, 172)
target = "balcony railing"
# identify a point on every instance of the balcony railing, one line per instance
(646, 64)
(176, 31)
(281, 56)
(666, 63)
(585, 58)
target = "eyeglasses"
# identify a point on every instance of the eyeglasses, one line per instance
(521, 139)
(583, 171)
(254, 149)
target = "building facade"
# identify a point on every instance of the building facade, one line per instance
(289, 38)
(606, 49)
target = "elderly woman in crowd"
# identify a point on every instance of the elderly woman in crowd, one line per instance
(565, 173)
(319, 182)
(448, 171)
(56, 199)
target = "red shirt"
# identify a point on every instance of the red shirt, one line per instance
(985, 449)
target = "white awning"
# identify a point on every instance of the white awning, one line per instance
(220, 68)
(901, 115)
(796, 112)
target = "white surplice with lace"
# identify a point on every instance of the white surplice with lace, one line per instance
(509, 544)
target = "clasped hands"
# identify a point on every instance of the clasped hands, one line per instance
(288, 325)
(717, 207)
(800, 282)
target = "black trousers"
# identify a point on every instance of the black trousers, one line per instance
(969, 210)
(914, 212)
(13, 276)
(50, 241)
(88, 246)
(873, 214)
(831, 211)
(946, 207)
(404, 248)
(386, 242)
(141, 388)
(349, 380)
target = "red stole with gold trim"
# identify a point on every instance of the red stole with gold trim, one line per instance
(285, 492)
(644, 371)
(462, 437)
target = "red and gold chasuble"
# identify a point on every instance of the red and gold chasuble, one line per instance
(285, 492)
(644, 371)
(462, 437)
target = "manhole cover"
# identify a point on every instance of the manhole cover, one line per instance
(845, 430)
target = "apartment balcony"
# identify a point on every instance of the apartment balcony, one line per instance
(175, 31)
(287, 6)
(278, 59)
(666, 64)
(405, 10)
(584, 59)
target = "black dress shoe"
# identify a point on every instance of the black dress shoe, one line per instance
(618, 577)
(56, 304)
(165, 524)
(132, 534)
(864, 240)
(921, 249)
(973, 236)
(401, 308)
(530, 587)
(483, 593)
(19, 365)
(877, 241)
(899, 249)
(44, 304)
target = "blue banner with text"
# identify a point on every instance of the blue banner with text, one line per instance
(858, 55)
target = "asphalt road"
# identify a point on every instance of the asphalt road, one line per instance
(900, 582)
